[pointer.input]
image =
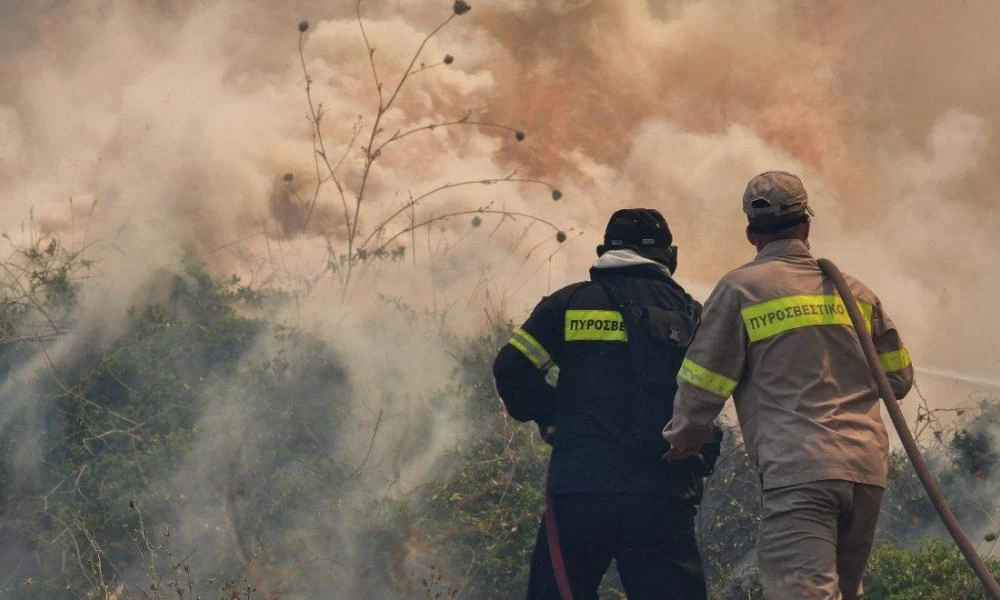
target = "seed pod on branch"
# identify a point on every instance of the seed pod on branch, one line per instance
(461, 7)
(303, 26)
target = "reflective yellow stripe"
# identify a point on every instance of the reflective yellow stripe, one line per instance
(867, 310)
(706, 379)
(770, 318)
(595, 326)
(895, 361)
(530, 347)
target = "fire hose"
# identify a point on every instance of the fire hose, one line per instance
(909, 444)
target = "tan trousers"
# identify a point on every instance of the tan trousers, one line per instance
(814, 539)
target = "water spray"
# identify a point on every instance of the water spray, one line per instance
(909, 444)
(970, 378)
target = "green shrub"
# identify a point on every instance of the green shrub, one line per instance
(936, 571)
(196, 407)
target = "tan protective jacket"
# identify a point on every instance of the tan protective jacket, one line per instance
(777, 338)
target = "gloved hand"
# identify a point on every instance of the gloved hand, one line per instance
(711, 449)
(695, 465)
(689, 468)
(687, 478)
(677, 455)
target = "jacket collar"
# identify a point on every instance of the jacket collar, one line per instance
(785, 248)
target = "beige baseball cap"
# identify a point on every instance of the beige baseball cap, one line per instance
(776, 198)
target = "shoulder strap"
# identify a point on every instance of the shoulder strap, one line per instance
(630, 314)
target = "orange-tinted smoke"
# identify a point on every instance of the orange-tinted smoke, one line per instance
(586, 78)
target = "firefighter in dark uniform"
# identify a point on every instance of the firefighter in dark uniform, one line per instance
(616, 343)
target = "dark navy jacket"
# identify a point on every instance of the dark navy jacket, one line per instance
(581, 330)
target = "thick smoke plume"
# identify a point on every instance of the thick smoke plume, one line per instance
(148, 133)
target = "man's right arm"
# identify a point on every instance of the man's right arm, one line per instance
(892, 353)
(522, 364)
(710, 373)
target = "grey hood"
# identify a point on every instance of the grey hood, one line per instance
(617, 259)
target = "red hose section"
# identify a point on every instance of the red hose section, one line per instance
(555, 551)
(909, 444)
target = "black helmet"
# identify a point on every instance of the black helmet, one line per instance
(643, 230)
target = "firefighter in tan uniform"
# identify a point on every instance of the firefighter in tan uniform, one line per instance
(777, 338)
